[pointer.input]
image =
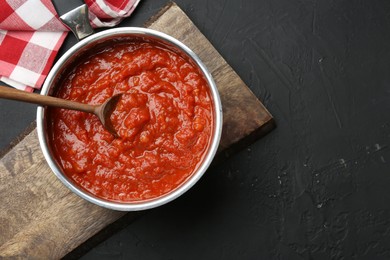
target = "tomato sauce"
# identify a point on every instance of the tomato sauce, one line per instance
(164, 120)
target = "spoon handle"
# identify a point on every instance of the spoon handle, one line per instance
(19, 95)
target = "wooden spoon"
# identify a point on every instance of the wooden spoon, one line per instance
(103, 111)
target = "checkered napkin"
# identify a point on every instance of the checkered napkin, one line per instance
(31, 35)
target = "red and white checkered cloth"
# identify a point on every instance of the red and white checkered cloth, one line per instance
(31, 35)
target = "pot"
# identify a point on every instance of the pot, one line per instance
(87, 46)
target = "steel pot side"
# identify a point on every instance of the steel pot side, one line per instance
(83, 48)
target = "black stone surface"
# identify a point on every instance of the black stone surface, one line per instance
(318, 186)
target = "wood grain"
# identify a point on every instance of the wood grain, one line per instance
(40, 218)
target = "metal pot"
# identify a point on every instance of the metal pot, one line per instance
(88, 45)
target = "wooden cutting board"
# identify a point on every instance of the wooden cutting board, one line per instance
(40, 218)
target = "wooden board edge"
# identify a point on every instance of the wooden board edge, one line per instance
(155, 17)
(246, 141)
(31, 127)
(103, 234)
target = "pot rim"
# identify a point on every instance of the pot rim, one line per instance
(139, 205)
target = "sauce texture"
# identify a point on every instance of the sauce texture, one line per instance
(164, 120)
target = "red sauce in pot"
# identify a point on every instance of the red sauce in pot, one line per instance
(164, 121)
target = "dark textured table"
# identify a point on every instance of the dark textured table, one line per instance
(318, 186)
